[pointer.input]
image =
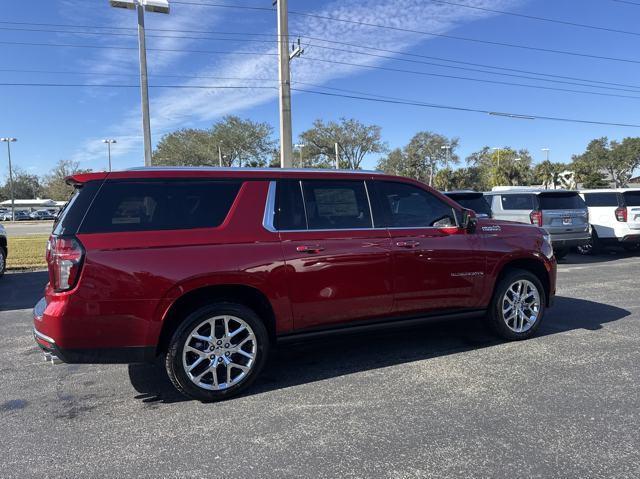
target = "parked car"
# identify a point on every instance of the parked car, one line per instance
(20, 215)
(4, 250)
(42, 215)
(562, 213)
(5, 215)
(472, 200)
(207, 268)
(614, 215)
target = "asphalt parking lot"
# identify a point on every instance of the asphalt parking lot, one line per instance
(442, 400)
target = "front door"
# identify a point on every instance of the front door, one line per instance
(437, 265)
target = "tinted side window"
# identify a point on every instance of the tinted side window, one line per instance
(517, 202)
(561, 201)
(289, 206)
(407, 206)
(159, 205)
(477, 203)
(336, 204)
(71, 215)
(632, 198)
(601, 199)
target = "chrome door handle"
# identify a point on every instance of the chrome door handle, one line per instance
(315, 249)
(408, 244)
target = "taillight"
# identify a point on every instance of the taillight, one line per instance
(621, 214)
(64, 257)
(536, 218)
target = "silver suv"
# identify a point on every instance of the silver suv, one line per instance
(563, 213)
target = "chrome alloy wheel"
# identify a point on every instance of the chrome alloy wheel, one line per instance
(219, 352)
(521, 306)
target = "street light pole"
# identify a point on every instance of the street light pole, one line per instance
(546, 151)
(337, 156)
(220, 155)
(8, 141)
(109, 143)
(300, 146)
(447, 158)
(160, 6)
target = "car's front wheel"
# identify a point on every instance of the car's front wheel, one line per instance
(217, 352)
(3, 260)
(518, 305)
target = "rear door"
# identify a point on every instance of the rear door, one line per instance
(338, 266)
(632, 202)
(437, 266)
(563, 212)
(602, 212)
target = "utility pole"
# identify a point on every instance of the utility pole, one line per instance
(159, 6)
(109, 143)
(337, 156)
(220, 155)
(8, 141)
(284, 75)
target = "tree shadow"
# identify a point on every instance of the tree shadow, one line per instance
(292, 364)
(22, 290)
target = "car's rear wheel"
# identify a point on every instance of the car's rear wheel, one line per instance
(592, 247)
(518, 305)
(217, 352)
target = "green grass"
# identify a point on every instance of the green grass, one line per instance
(27, 252)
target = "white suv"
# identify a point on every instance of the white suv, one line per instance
(615, 218)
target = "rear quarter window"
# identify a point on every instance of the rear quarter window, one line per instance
(632, 198)
(147, 205)
(601, 199)
(72, 214)
(561, 201)
(517, 202)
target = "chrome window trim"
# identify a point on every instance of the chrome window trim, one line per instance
(270, 212)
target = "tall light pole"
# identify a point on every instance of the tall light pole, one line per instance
(159, 6)
(109, 142)
(8, 141)
(300, 146)
(546, 152)
(337, 156)
(284, 77)
(220, 155)
(447, 159)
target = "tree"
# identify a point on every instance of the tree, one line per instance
(54, 183)
(616, 159)
(395, 163)
(425, 153)
(547, 174)
(25, 186)
(355, 141)
(241, 142)
(503, 166)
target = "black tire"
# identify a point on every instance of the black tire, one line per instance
(3, 261)
(495, 315)
(561, 253)
(174, 356)
(591, 248)
(631, 247)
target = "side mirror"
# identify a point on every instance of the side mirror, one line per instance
(469, 221)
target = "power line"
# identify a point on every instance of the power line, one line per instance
(420, 32)
(542, 19)
(479, 80)
(395, 52)
(376, 98)
(474, 110)
(627, 1)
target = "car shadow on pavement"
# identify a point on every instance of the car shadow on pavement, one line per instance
(22, 290)
(292, 364)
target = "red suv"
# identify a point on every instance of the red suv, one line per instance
(207, 268)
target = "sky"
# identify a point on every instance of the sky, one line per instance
(238, 49)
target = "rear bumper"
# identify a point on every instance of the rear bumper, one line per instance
(570, 242)
(55, 353)
(634, 238)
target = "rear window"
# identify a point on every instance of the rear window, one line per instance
(517, 202)
(632, 198)
(561, 201)
(159, 205)
(477, 203)
(601, 199)
(71, 215)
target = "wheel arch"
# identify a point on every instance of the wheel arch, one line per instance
(532, 264)
(188, 302)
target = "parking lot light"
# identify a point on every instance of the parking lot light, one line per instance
(8, 141)
(109, 142)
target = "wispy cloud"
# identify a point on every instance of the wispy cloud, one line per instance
(175, 108)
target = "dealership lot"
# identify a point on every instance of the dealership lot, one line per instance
(439, 400)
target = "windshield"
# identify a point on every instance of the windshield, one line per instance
(632, 198)
(476, 202)
(561, 201)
